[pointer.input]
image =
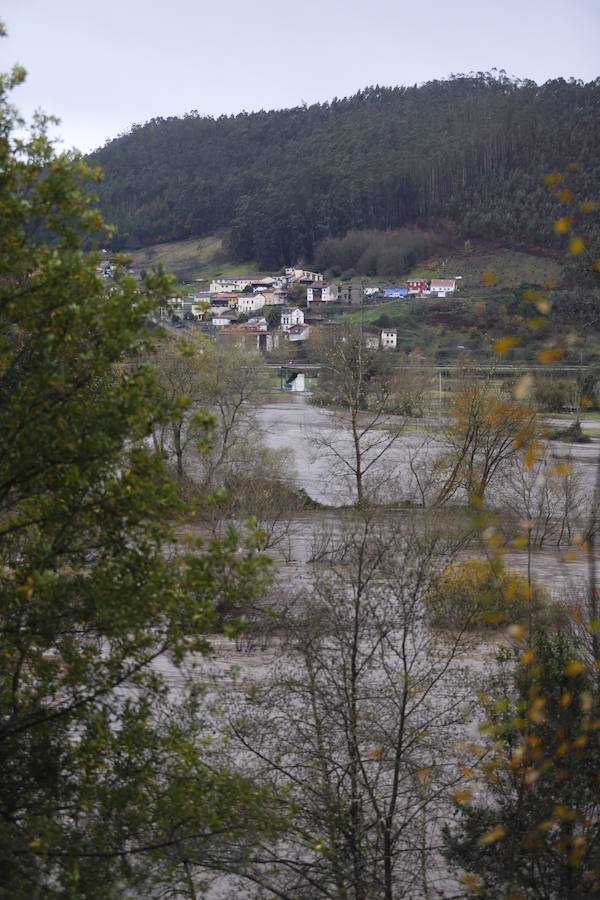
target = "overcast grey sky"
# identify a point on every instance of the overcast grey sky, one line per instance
(100, 66)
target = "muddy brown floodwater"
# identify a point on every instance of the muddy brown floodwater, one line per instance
(291, 423)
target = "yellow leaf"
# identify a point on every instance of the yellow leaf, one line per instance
(565, 813)
(563, 225)
(597, 265)
(565, 196)
(517, 632)
(586, 701)
(504, 344)
(494, 835)
(574, 667)
(471, 882)
(543, 306)
(536, 322)
(552, 179)
(588, 206)
(527, 657)
(536, 711)
(463, 797)
(523, 387)
(535, 451)
(576, 246)
(566, 699)
(550, 355)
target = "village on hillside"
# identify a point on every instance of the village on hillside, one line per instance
(266, 312)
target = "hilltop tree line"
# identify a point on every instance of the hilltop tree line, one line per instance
(471, 150)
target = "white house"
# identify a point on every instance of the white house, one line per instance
(442, 287)
(321, 293)
(249, 303)
(389, 338)
(220, 303)
(296, 275)
(222, 319)
(274, 298)
(298, 333)
(295, 382)
(291, 316)
(231, 284)
(263, 284)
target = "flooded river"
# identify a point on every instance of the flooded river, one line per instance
(292, 423)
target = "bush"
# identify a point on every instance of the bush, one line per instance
(554, 396)
(572, 434)
(478, 594)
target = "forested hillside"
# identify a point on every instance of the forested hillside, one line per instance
(471, 151)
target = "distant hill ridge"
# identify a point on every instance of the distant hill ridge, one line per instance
(471, 151)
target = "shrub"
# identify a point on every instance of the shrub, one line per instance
(554, 396)
(572, 434)
(478, 594)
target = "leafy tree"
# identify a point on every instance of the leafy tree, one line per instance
(179, 366)
(485, 431)
(103, 785)
(533, 828)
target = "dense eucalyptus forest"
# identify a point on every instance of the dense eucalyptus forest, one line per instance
(470, 152)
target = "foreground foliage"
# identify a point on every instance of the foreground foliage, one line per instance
(102, 770)
(533, 827)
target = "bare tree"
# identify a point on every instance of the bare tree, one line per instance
(357, 727)
(546, 495)
(360, 383)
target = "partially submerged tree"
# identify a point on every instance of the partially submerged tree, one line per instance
(546, 493)
(208, 394)
(484, 432)
(179, 365)
(357, 728)
(360, 383)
